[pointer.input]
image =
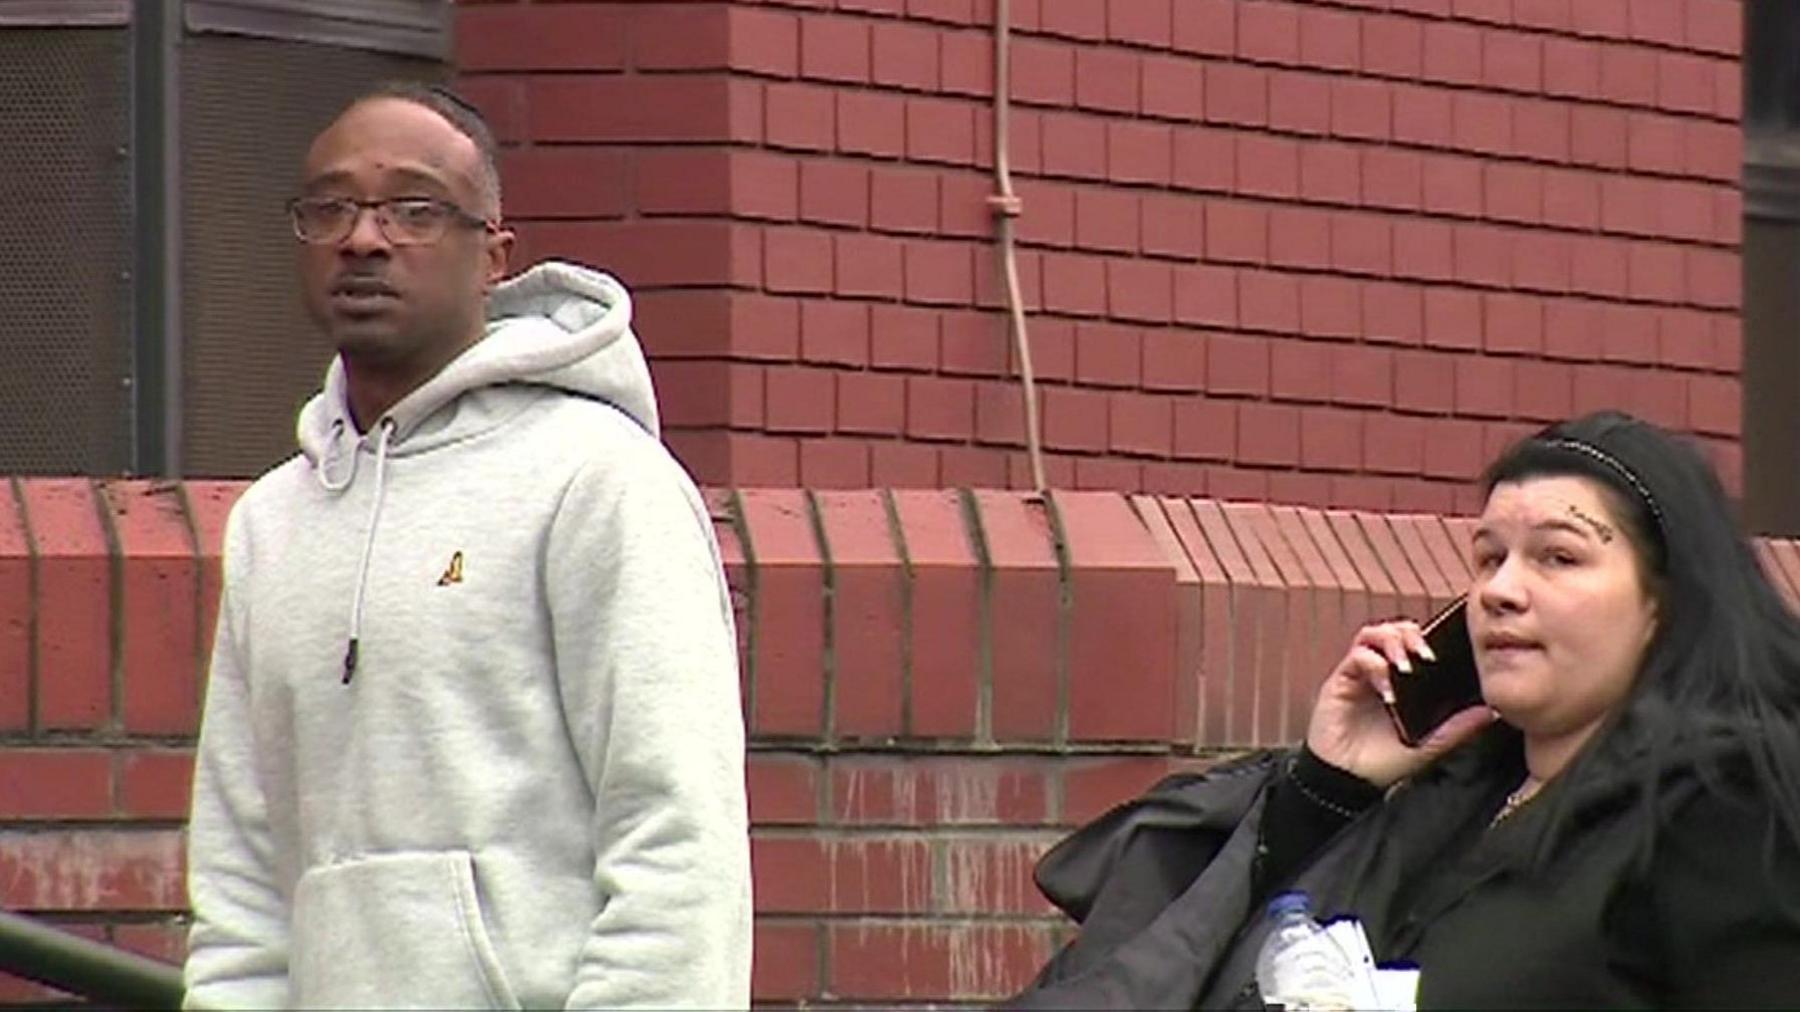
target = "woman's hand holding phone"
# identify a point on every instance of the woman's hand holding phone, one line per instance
(1351, 727)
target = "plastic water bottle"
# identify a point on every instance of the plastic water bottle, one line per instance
(1299, 966)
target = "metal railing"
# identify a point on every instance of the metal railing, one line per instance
(101, 973)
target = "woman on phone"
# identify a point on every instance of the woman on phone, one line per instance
(1616, 824)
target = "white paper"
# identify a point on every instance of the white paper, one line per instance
(1347, 933)
(1373, 989)
(1397, 988)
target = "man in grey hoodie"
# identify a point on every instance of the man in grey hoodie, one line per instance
(472, 736)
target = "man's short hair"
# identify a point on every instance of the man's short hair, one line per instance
(460, 113)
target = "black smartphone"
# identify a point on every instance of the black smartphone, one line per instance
(1437, 690)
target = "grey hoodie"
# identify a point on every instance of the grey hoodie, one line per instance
(523, 785)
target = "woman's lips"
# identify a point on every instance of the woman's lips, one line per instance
(1505, 646)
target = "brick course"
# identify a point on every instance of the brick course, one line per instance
(1519, 170)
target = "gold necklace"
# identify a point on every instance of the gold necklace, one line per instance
(1517, 799)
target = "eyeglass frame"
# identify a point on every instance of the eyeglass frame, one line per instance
(383, 218)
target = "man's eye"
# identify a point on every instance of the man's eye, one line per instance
(325, 210)
(416, 212)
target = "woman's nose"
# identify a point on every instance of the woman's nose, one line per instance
(1502, 589)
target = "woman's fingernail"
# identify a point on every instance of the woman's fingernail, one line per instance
(1404, 664)
(1387, 695)
(1426, 652)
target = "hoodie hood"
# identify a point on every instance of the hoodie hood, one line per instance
(557, 325)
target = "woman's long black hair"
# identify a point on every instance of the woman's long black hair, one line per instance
(1718, 695)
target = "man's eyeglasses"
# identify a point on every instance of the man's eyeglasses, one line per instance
(403, 221)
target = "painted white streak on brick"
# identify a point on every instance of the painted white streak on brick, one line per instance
(92, 869)
(981, 964)
(972, 795)
(849, 871)
(957, 793)
(991, 876)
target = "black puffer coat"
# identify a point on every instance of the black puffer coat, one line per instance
(1168, 891)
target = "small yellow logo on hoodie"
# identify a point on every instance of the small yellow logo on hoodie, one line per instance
(452, 572)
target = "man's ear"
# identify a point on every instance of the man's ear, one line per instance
(498, 252)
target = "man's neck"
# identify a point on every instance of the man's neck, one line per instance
(374, 387)
(372, 393)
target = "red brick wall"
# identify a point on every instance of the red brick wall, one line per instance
(105, 607)
(937, 686)
(1330, 252)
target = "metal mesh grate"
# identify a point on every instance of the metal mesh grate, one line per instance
(251, 358)
(65, 297)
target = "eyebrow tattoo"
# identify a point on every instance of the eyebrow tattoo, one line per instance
(1601, 528)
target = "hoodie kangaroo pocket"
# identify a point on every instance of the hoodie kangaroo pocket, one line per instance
(394, 931)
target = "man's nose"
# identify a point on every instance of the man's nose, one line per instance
(365, 235)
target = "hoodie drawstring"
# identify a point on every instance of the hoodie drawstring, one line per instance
(386, 429)
(334, 452)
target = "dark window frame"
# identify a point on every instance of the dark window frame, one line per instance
(1771, 244)
(64, 13)
(405, 27)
